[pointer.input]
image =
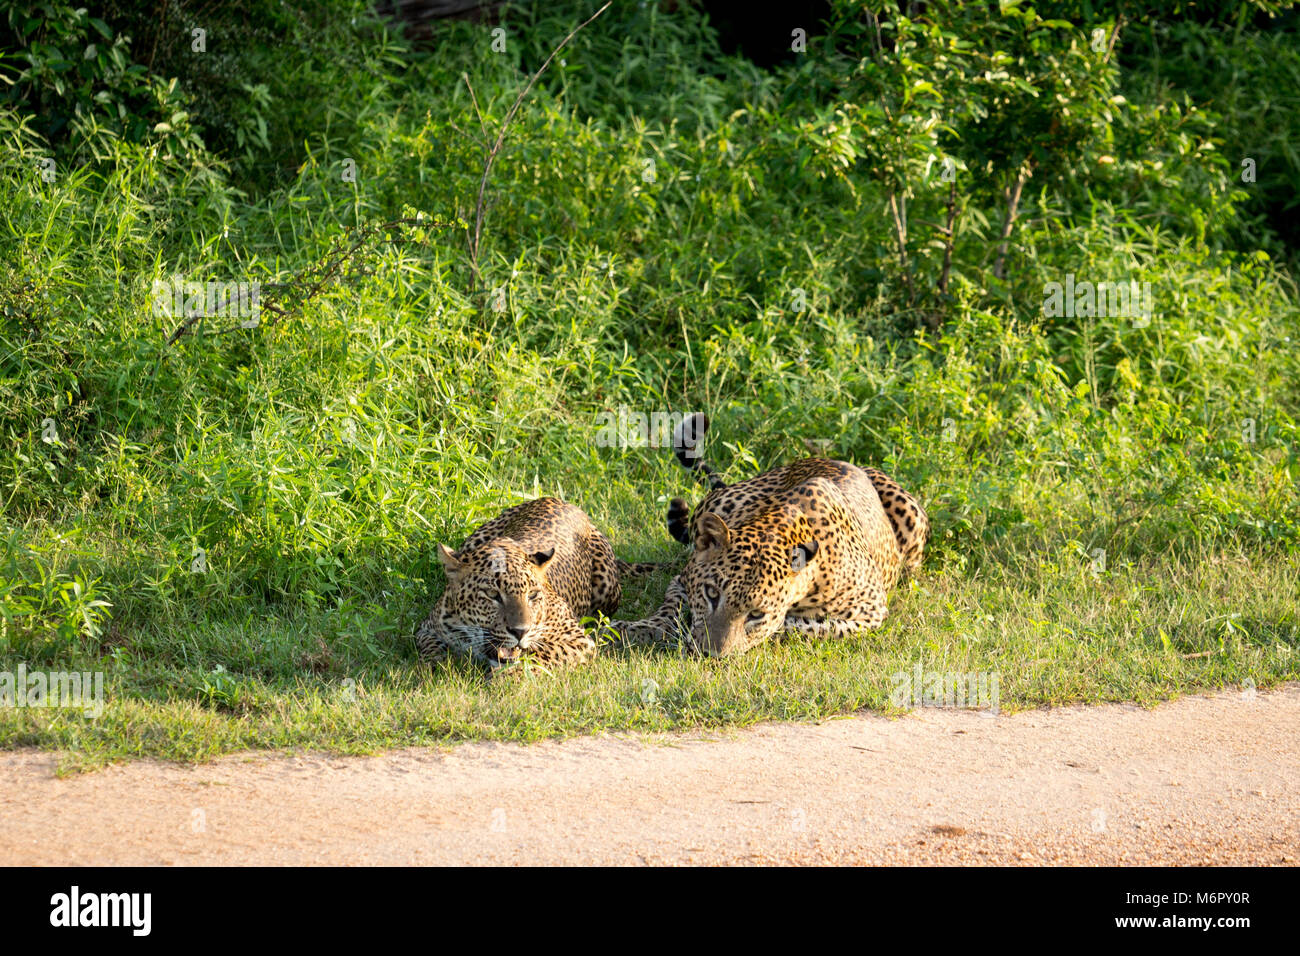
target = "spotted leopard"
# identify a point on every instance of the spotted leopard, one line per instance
(812, 546)
(518, 586)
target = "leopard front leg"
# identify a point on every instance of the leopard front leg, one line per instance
(431, 640)
(829, 628)
(839, 615)
(859, 619)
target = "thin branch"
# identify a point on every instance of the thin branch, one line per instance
(501, 138)
(162, 25)
(875, 24)
(468, 135)
(1110, 47)
(182, 329)
(1009, 221)
(478, 112)
(898, 213)
(323, 274)
(949, 238)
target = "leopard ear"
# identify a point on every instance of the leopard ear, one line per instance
(713, 538)
(540, 558)
(450, 561)
(802, 553)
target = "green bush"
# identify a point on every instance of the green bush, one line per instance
(222, 517)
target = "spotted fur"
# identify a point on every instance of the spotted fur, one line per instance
(813, 546)
(518, 586)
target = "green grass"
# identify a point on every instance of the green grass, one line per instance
(1051, 634)
(316, 460)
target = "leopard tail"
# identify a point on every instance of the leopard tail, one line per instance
(632, 569)
(686, 441)
(910, 522)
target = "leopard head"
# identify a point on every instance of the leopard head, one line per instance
(497, 596)
(741, 581)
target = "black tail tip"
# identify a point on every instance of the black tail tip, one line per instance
(687, 438)
(679, 517)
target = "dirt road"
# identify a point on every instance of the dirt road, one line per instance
(1213, 779)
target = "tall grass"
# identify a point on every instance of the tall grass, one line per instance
(239, 527)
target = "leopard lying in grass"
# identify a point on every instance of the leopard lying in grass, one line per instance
(518, 586)
(813, 546)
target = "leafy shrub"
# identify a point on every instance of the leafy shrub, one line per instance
(667, 227)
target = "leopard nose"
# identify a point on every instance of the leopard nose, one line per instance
(518, 632)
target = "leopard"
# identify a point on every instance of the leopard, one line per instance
(519, 585)
(810, 547)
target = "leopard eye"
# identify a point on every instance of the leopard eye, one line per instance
(499, 597)
(754, 617)
(711, 592)
(535, 596)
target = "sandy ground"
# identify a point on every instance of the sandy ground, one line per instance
(1207, 779)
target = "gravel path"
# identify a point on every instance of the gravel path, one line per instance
(1206, 779)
